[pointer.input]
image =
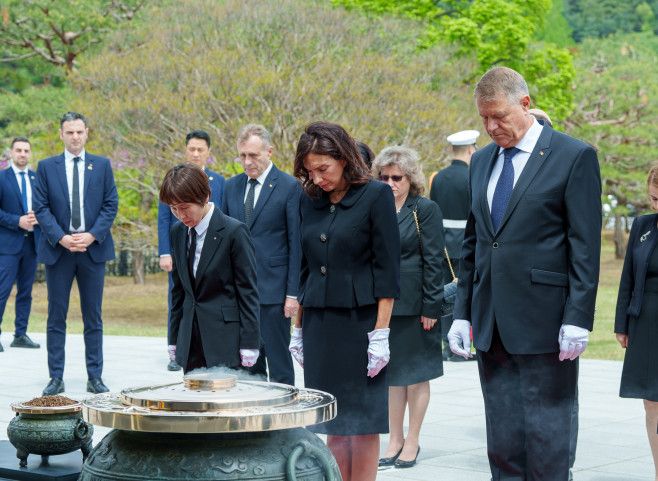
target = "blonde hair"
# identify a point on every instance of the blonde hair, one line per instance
(407, 160)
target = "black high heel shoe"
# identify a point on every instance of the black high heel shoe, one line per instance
(406, 464)
(390, 461)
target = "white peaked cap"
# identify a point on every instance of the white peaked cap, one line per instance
(465, 137)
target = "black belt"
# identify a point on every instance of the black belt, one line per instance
(29, 234)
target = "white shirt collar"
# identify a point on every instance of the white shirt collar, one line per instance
(17, 171)
(68, 156)
(261, 178)
(202, 226)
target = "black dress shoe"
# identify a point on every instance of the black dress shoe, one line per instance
(24, 341)
(173, 366)
(389, 461)
(96, 386)
(407, 464)
(54, 387)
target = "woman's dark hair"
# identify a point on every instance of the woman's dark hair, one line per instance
(366, 153)
(324, 138)
(185, 184)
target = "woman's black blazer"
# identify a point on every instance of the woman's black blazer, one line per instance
(641, 243)
(351, 249)
(421, 274)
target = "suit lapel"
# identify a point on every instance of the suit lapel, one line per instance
(484, 202)
(407, 209)
(265, 191)
(61, 176)
(88, 172)
(211, 242)
(536, 160)
(238, 200)
(13, 182)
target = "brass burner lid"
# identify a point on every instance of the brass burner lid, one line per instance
(210, 403)
(20, 407)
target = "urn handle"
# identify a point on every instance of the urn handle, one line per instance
(304, 447)
(81, 429)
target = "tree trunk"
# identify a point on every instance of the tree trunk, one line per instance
(620, 241)
(138, 267)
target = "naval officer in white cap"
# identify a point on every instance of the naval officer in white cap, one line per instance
(449, 189)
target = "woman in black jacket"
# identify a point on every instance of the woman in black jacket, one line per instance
(415, 342)
(349, 278)
(636, 322)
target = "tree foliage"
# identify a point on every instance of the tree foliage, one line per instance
(219, 65)
(494, 32)
(600, 18)
(58, 32)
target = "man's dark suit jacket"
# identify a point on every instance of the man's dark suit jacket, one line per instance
(11, 209)
(166, 219)
(421, 274)
(450, 191)
(52, 208)
(633, 275)
(541, 268)
(274, 228)
(225, 299)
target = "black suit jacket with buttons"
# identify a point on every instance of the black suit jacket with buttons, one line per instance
(350, 250)
(225, 297)
(541, 268)
(641, 244)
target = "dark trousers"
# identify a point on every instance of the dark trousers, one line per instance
(275, 332)
(528, 403)
(196, 358)
(90, 276)
(21, 269)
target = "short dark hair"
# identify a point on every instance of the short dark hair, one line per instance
(185, 184)
(19, 139)
(366, 153)
(325, 138)
(70, 116)
(198, 134)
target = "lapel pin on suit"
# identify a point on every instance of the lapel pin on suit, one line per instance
(210, 178)
(32, 177)
(644, 236)
(270, 185)
(90, 167)
(541, 152)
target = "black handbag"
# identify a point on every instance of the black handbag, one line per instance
(449, 289)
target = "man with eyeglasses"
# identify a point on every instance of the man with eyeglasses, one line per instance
(449, 189)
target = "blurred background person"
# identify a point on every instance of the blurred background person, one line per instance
(349, 278)
(635, 321)
(414, 341)
(197, 151)
(214, 301)
(19, 238)
(366, 153)
(449, 189)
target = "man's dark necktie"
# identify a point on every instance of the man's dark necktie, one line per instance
(249, 203)
(24, 191)
(191, 252)
(75, 196)
(503, 188)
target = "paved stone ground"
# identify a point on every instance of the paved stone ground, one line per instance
(612, 443)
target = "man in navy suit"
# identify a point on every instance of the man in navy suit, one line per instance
(528, 278)
(19, 234)
(197, 151)
(75, 202)
(267, 200)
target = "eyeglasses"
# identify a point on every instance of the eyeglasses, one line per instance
(394, 178)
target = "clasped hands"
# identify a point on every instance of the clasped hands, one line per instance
(27, 221)
(572, 340)
(378, 350)
(248, 357)
(77, 242)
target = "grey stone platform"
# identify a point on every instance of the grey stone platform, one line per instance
(612, 445)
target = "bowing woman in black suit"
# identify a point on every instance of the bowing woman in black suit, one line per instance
(349, 277)
(214, 299)
(636, 325)
(415, 342)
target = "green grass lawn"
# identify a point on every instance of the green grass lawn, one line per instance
(141, 310)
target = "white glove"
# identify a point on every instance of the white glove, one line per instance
(459, 337)
(296, 347)
(573, 341)
(248, 357)
(378, 352)
(171, 349)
